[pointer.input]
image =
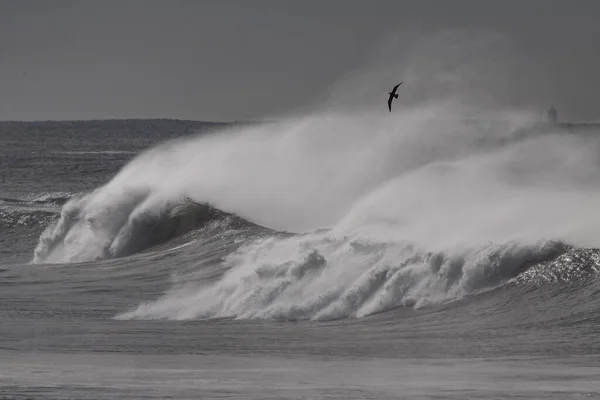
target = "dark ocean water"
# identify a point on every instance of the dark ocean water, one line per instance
(176, 272)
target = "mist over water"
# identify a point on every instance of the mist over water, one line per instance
(539, 188)
(436, 200)
(424, 175)
(423, 210)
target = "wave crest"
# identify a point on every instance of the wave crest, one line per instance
(91, 230)
(319, 277)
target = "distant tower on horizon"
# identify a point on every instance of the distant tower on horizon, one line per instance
(552, 115)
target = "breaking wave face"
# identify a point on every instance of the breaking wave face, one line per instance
(321, 278)
(420, 206)
(418, 211)
(84, 233)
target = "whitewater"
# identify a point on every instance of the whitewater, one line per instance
(415, 209)
(432, 252)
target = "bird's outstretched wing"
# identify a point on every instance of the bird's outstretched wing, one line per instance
(390, 103)
(396, 87)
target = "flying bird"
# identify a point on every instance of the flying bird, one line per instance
(393, 95)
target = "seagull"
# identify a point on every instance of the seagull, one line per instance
(393, 95)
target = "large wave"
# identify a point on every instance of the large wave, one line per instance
(420, 211)
(85, 233)
(426, 176)
(428, 203)
(321, 278)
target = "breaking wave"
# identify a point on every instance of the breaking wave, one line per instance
(85, 232)
(435, 201)
(320, 278)
(410, 212)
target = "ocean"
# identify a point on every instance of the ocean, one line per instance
(415, 255)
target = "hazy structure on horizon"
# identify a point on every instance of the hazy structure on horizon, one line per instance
(552, 115)
(551, 120)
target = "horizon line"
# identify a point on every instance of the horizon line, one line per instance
(126, 119)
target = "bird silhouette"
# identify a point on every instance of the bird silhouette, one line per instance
(393, 95)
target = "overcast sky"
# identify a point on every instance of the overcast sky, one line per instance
(226, 60)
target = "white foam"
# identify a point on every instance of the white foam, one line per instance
(426, 175)
(317, 277)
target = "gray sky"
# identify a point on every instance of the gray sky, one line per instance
(242, 59)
